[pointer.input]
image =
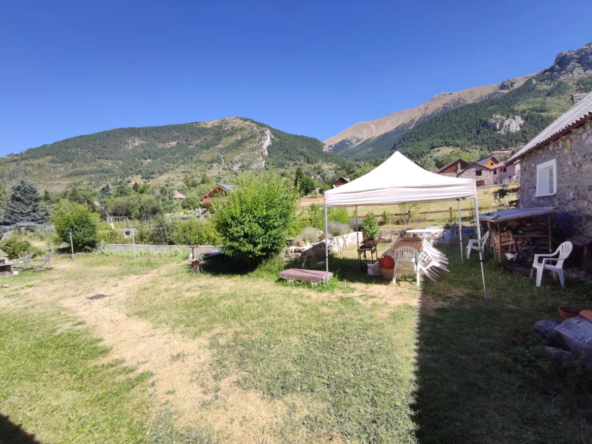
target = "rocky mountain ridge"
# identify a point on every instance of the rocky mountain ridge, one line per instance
(504, 115)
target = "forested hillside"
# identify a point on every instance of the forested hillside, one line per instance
(221, 148)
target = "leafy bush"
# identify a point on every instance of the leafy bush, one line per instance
(71, 217)
(300, 222)
(132, 206)
(337, 229)
(306, 185)
(254, 218)
(110, 237)
(162, 231)
(196, 232)
(192, 201)
(340, 215)
(142, 234)
(355, 224)
(310, 234)
(369, 226)
(316, 216)
(15, 246)
(386, 218)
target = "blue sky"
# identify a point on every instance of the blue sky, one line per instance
(309, 67)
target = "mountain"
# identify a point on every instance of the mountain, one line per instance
(356, 134)
(505, 115)
(220, 147)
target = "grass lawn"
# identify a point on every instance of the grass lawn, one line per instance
(234, 356)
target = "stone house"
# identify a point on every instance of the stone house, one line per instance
(556, 170)
(453, 168)
(482, 175)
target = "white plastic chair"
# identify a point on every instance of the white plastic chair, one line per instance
(439, 258)
(474, 244)
(425, 264)
(540, 266)
(407, 255)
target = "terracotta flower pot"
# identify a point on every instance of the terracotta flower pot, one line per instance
(569, 312)
(301, 243)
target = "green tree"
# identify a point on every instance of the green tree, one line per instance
(298, 177)
(74, 196)
(24, 205)
(162, 231)
(46, 196)
(253, 219)
(136, 187)
(71, 217)
(191, 201)
(105, 191)
(122, 190)
(306, 185)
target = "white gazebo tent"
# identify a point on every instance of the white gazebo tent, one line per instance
(399, 181)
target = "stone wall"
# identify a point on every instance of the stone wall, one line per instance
(486, 175)
(160, 248)
(573, 156)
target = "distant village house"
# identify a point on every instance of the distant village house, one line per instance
(219, 188)
(504, 174)
(178, 197)
(481, 171)
(341, 181)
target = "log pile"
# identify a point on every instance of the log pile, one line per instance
(528, 236)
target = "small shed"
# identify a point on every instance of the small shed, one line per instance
(521, 231)
(219, 188)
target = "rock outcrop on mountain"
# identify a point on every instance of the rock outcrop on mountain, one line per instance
(504, 124)
(569, 65)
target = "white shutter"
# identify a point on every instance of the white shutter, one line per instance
(546, 179)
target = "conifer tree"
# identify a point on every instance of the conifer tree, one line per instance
(24, 205)
(75, 196)
(105, 191)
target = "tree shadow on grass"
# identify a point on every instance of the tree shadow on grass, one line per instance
(11, 433)
(482, 375)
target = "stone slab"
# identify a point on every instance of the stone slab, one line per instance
(299, 274)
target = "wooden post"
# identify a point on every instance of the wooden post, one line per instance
(499, 243)
(450, 214)
(550, 234)
(71, 246)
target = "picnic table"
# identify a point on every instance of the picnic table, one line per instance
(428, 233)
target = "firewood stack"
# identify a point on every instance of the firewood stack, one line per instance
(529, 237)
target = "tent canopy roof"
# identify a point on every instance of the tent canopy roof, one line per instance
(397, 181)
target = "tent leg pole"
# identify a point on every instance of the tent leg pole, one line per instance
(326, 243)
(357, 229)
(481, 247)
(460, 232)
